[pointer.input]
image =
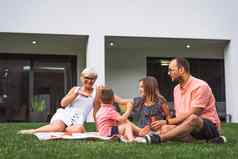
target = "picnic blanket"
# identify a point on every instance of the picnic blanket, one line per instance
(65, 135)
(80, 136)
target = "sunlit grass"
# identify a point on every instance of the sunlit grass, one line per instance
(28, 146)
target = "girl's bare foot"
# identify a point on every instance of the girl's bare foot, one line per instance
(144, 131)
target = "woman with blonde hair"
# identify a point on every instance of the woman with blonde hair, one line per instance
(75, 107)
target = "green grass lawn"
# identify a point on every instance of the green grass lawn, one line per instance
(27, 146)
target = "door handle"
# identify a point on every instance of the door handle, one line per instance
(4, 96)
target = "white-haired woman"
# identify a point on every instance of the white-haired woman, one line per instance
(76, 106)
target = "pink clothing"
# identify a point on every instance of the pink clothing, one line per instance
(196, 93)
(106, 118)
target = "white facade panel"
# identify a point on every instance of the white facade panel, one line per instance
(205, 19)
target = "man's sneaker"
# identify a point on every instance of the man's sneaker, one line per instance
(218, 140)
(152, 138)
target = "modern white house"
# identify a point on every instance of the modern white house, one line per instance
(44, 45)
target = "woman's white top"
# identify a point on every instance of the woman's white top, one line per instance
(77, 112)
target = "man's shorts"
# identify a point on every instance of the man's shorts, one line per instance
(208, 131)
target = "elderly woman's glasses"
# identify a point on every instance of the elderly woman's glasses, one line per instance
(89, 78)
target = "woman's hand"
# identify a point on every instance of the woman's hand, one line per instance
(157, 124)
(68, 99)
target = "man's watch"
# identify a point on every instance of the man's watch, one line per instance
(167, 121)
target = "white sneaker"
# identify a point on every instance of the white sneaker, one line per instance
(140, 140)
(224, 139)
(153, 138)
(218, 140)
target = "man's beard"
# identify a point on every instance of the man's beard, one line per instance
(178, 80)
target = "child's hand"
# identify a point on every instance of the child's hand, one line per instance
(122, 118)
(157, 124)
(98, 95)
(99, 89)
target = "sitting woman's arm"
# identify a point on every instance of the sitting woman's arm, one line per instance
(128, 105)
(69, 98)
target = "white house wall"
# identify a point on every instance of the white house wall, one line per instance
(154, 18)
(206, 19)
(124, 67)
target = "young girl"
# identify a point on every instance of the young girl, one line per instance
(150, 106)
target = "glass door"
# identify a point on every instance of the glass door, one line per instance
(31, 86)
(14, 78)
(50, 81)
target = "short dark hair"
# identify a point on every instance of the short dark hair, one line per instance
(106, 95)
(183, 62)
